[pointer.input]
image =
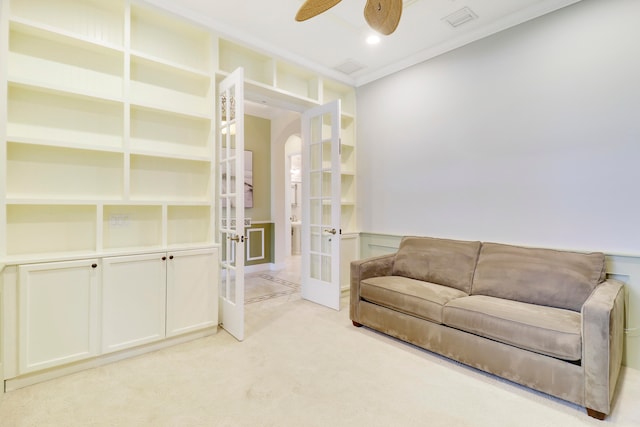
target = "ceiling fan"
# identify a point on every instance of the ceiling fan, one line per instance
(381, 15)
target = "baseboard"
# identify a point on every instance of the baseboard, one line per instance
(274, 267)
(261, 267)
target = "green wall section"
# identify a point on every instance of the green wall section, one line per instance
(255, 247)
(257, 139)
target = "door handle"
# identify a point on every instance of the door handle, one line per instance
(236, 238)
(330, 231)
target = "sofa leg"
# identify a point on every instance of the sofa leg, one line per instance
(356, 324)
(596, 414)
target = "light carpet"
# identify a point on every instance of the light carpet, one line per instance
(300, 365)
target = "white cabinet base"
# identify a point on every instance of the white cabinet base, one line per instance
(58, 318)
(37, 377)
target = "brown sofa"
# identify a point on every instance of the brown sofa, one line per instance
(546, 319)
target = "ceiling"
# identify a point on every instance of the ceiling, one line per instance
(334, 43)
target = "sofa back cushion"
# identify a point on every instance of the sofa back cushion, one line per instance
(538, 276)
(442, 261)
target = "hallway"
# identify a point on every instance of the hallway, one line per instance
(269, 284)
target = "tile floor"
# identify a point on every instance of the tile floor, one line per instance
(268, 284)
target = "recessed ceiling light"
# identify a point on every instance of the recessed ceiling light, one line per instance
(373, 39)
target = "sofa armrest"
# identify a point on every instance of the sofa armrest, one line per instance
(602, 343)
(364, 269)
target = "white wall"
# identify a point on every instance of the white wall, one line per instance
(531, 136)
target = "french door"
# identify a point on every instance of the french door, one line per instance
(231, 185)
(321, 205)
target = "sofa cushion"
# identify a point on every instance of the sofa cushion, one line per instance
(551, 331)
(414, 297)
(442, 261)
(548, 277)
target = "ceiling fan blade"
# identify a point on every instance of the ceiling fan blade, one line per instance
(383, 15)
(311, 8)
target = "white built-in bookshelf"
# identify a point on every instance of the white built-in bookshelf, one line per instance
(110, 121)
(108, 130)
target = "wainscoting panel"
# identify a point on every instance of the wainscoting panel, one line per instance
(259, 243)
(621, 267)
(627, 270)
(255, 246)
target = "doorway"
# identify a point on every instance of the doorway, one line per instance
(279, 276)
(293, 194)
(322, 123)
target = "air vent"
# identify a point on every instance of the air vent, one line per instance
(349, 67)
(460, 17)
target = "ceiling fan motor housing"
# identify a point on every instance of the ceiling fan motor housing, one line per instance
(383, 15)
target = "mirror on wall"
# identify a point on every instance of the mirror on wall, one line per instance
(296, 196)
(296, 179)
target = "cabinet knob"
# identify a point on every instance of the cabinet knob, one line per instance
(164, 258)
(94, 265)
(171, 257)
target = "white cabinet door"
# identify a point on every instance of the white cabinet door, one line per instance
(133, 300)
(192, 290)
(58, 306)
